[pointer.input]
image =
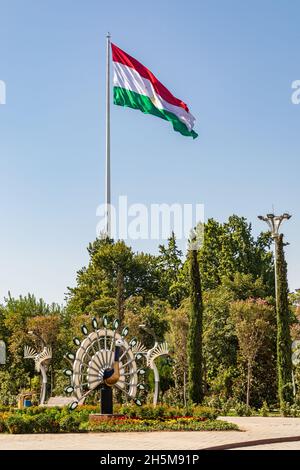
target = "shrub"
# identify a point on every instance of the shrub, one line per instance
(45, 423)
(70, 423)
(18, 424)
(205, 412)
(264, 411)
(243, 410)
(290, 410)
(164, 411)
(3, 427)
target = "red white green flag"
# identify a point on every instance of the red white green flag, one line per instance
(135, 86)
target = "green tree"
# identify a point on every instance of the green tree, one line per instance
(252, 319)
(173, 275)
(219, 339)
(223, 370)
(284, 353)
(195, 331)
(177, 339)
(230, 248)
(114, 274)
(18, 316)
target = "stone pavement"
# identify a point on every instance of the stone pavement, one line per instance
(253, 430)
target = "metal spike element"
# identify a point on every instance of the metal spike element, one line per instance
(39, 358)
(69, 389)
(115, 324)
(105, 320)
(94, 323)
(139, 348)
(29, 352)
(160, 350)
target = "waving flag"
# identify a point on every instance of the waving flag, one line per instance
(135, 86)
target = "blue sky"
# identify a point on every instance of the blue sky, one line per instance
(233, 62)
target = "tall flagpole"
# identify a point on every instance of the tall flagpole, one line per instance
(107, 169)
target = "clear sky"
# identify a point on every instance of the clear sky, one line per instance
(232, 61)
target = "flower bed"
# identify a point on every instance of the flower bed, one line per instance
(131, 418)
(142, 425)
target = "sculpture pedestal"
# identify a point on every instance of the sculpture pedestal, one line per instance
(106, 400)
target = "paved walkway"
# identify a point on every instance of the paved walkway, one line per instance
(254, 429)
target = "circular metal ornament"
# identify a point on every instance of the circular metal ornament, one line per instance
(96, 354)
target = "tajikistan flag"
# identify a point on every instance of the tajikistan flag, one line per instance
(136, 87)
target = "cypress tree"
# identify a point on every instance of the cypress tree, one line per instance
(284, 353)
(195, 331)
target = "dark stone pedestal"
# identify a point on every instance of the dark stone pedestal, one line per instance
(106, 400)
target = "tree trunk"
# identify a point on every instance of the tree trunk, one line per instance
(248, 383)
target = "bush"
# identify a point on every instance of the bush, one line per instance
(45, 423)
(264, 411)
(27, 424)
(165, 412)
(243, 410)
(70, 423)
(290, 410)
(3, 427)
(19, 424)
(205, 412)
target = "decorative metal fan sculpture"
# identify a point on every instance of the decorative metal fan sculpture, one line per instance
(158, 350)
(41, 362)
(104, 359)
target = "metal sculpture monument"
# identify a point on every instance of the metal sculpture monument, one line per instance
(41, 360)
(158, 350)
(104, 360)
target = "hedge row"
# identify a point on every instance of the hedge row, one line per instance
(53, 420)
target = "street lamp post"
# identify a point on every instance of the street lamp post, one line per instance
(274, 222)
(284, 362)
